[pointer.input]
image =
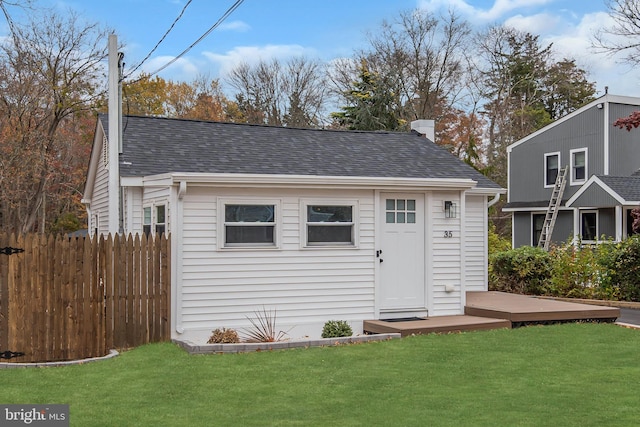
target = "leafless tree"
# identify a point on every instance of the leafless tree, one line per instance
(278, 94)
(420, 56)
(50, 69)
(623, 37)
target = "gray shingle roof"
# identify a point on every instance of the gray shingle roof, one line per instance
(628, 187)
(159, 145)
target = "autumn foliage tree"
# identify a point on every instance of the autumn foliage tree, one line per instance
(50, 74)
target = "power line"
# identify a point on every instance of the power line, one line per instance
(213, 27)
(161, 39)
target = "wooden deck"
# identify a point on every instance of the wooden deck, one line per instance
(520, 309)
(495, 310)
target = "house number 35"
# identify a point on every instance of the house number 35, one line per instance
(448, 234)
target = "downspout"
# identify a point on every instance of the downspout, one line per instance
(494, 200)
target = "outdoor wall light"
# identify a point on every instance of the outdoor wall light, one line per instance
(449, 209)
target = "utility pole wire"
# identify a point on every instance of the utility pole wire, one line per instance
(213, 27)
(160, 41)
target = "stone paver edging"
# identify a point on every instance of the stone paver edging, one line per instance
(7, 365)
(193, 348)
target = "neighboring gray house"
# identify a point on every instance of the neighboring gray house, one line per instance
(317, 224)
(603, 182)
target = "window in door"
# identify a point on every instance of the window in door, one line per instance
(629, 221)
(589, 226)
(578, 166)
(400, 211)
(537, 221)
(551, 167)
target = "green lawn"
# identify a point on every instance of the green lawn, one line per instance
(564, 375)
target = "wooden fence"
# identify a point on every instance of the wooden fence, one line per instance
(73, 298)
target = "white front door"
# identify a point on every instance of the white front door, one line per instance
(401, 253)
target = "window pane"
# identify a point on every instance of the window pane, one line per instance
(330, 234)
(146, 215)
(411, 205)
(411, 218)
(391, 217)
(391, 204)
(579, 159)
(329, 214)
(538, 222)
(257, 234)
(400, 205)
(160, 229)
(249, 213)
(589, 226)
(160, 214)
(400, 217)
(552, 169)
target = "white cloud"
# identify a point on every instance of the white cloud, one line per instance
(237, 26)
(498, 11)
(253, 54)
(183, 67)
(541, 23)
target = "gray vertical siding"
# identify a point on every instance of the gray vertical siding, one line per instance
(607, 222)
(624, 146)
(585, 130)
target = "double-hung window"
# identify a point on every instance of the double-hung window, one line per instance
(551, 168)
(330, 225)
(249, 225)
(579, 163)
(154, 218)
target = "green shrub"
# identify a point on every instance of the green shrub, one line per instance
(496, 242)
(525, 270)
(224, 336)
(625, 269)
(582, 271)
(336, 328)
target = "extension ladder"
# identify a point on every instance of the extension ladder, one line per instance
(552, 210)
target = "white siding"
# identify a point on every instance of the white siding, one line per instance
(446, 256)
(475, 245)
(100, 198)
(221, 287)
(134, 210)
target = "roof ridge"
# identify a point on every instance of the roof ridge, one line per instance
(258, 125)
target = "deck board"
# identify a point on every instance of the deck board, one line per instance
(436, 324)
(495, 310)
(524, 308)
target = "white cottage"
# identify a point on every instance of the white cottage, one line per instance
(315, 224)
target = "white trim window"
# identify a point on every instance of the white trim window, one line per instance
(589, 226)
(579, 166)
(330, 224)
(551, 168)
(154, 219)
(249, 224)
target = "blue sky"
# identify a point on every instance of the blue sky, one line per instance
(328, 29)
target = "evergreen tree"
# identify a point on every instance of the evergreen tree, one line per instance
(370, 106)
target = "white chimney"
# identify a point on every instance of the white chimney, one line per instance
(426, 128)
